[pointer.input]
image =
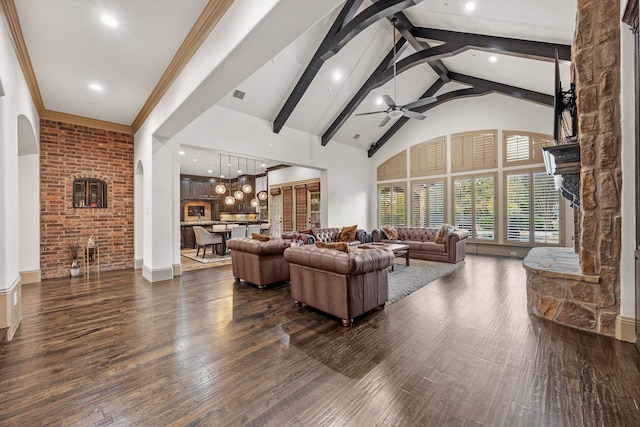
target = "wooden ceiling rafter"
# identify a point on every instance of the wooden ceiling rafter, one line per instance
(480, 87)
(346, 26)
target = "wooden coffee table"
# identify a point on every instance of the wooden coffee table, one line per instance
(397, 249)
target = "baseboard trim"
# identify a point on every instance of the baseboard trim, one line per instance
(626, 329)
(137, 264)
(157, 275)
(177, 270)
(30, 276)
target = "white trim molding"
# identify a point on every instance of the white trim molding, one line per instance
(626, 329)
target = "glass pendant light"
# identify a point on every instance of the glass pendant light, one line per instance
(239, 195)
(229, 200)
(220, 188)
(247, 188)
(262, 195)
(254, 202)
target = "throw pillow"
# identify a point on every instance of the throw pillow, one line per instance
(390, 231)
(348, 233)
(443, 232)
(339, 246)
(260, 237)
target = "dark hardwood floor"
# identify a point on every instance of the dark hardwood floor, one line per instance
(203, 350)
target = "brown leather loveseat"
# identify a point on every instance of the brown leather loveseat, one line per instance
(260, 263)
(424, 245)
(332, 234)
(345, 285)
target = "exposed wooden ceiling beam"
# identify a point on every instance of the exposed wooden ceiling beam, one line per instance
(372, 14)
(516, 47)
(362, 93)
(347, 13)
(344, 29)
(516, 92)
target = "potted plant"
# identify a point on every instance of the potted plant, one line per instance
(74, 247)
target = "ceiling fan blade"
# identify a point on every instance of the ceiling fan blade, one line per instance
(370, 112)
(413, 114)
(420, 102)
(389, 101)
(384, 121)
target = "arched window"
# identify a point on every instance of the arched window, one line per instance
(89, 193)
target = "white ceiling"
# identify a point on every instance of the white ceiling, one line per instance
(70, 48)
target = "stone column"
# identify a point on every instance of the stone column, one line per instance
(596, 69)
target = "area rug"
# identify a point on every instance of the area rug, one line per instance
(209, 259)
(406, 280)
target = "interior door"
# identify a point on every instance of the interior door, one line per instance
(276, 215)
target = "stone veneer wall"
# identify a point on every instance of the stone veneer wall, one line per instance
(596, 64)
(588, 297)
(71, 151)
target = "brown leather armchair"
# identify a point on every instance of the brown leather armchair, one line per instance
(260, 263)
(345, 285)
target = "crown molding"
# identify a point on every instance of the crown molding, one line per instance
(212, 13)
(57, 116)
(8, 9)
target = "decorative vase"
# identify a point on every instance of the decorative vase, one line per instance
(75, 268)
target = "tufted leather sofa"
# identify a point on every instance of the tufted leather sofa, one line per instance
(331, 235)
(260, 263)
(422, 244)
(343, 284)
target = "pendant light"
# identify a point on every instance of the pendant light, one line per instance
(220, 188)
(239, 195)
(254, 202)
(229, 200)
(263, 195)
(247, 187)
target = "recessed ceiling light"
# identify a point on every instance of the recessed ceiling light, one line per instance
(109, 20)
(379, 100)
(470, 6)
(210, 171)
(96, 87)
(493, 58)
(195, 160)
(337, 75)
(182, 153)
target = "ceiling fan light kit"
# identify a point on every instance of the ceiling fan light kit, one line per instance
(396, 111)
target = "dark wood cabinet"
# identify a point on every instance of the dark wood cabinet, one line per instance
(188, 237)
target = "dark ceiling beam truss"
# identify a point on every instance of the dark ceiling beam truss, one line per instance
(372, 14)
(515, 47)
(344, 29)
(348, 11)
(480, 87)
(362, 93)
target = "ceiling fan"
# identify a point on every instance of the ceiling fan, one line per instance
(396, 111)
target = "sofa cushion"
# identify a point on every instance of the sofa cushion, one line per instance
(358, 261)
(339, 246)
(443, 232)
(433, 247)
(247, 244)
(260, 237)
(348, 233)
(390, 231)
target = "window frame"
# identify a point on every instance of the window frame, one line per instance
(473, 229)
(463, 167)
(445, 201)
(403, 185)
(532, 216)
(535, 148)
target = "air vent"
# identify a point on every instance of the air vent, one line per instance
(238, 94)
(356, 136)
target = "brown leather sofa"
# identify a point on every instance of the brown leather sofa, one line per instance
(422, 243)
(260, 263)
(345, 285)
(332, 234)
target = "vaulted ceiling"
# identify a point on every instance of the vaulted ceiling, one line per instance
(337, 69)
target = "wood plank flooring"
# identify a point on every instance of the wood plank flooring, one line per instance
(203, 350)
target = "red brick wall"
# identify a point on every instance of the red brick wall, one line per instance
(69, 152)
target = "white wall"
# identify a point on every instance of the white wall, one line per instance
(18, 119)
(249, 34)
(629, 193)
(346, 168)
(293, 174)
